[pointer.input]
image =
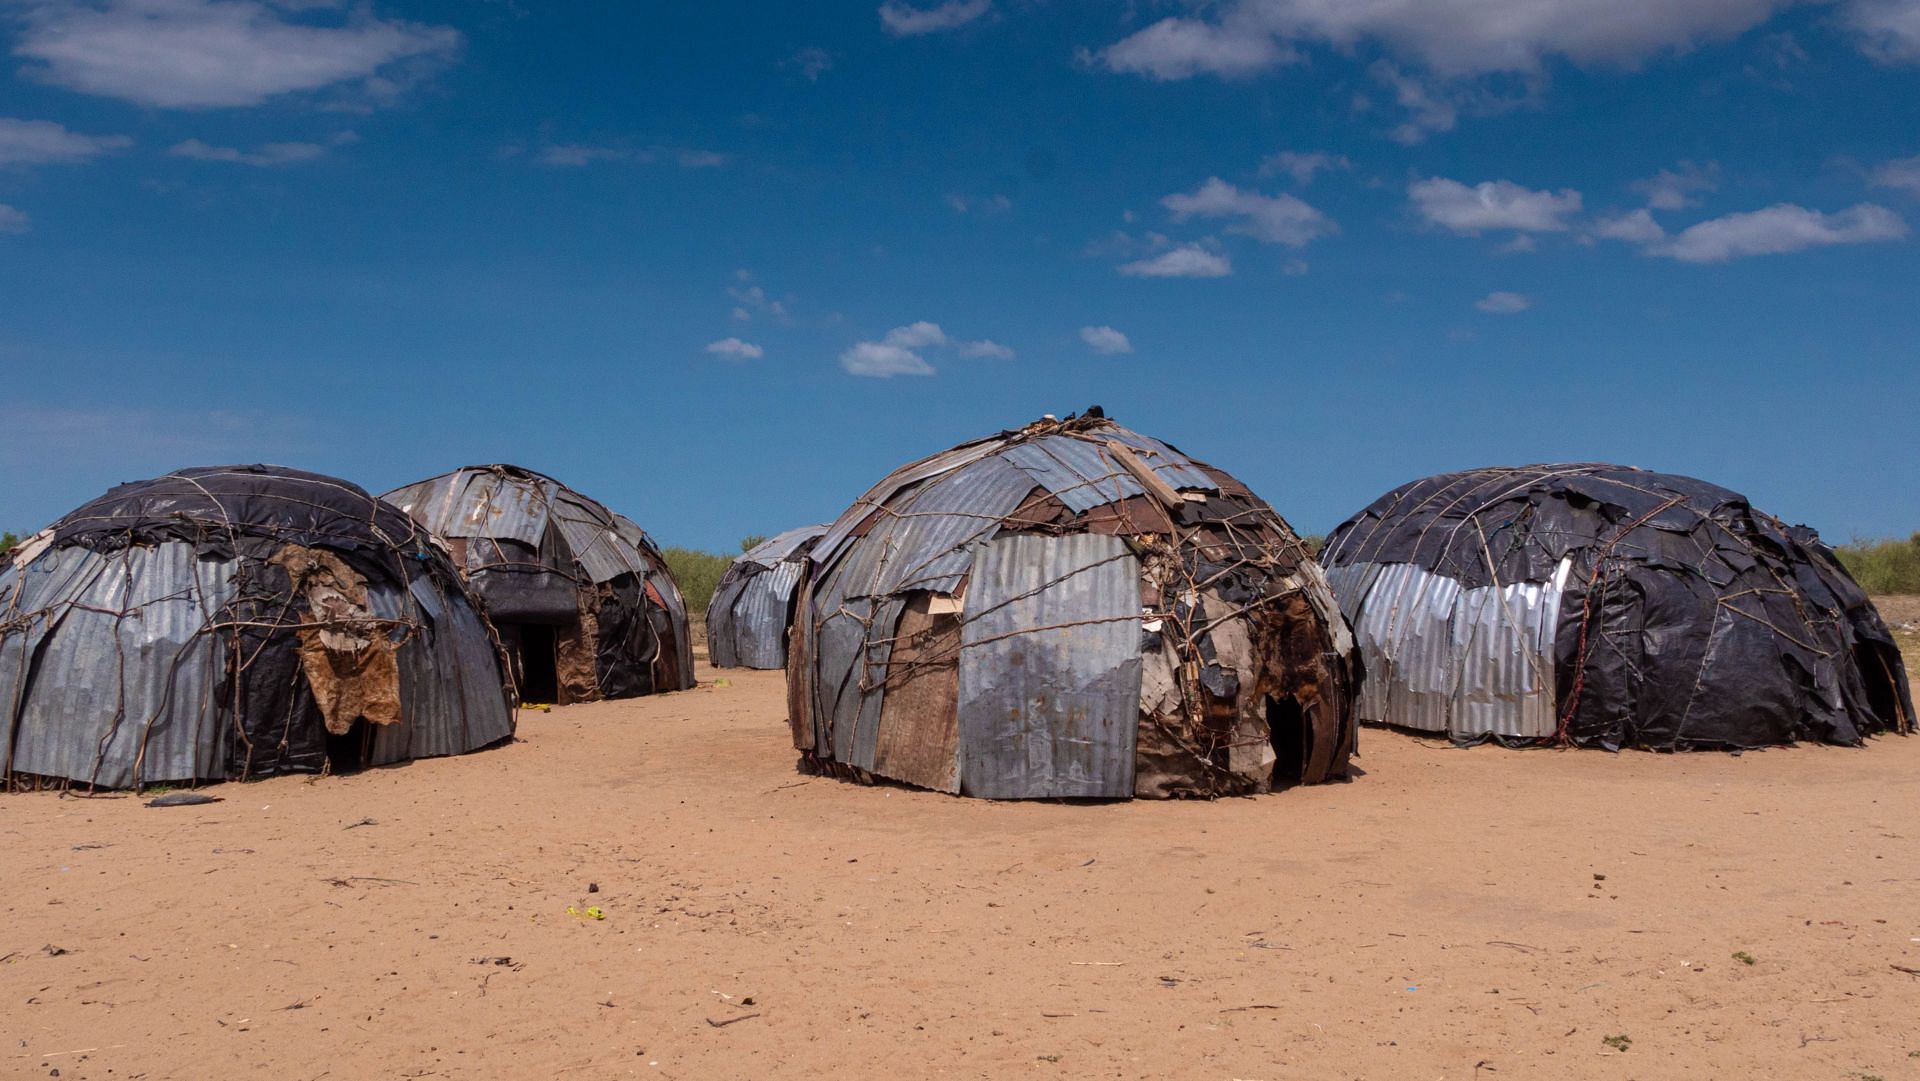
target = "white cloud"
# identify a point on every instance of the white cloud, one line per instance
(1634, 227)
(882, 361)
(12, 220)
(268, 155)
(216, 53)
(1492, 204)
(1503, 303)
(1904, 173)
(735, 349)
(1671, 189)
(1889, 30)
(1302, 166)
(43, 142)
(1185, 261)
(904, 21)
(581, 155)
(1452, 38)
(1428, 111)
(993, 204)
(1180, 48)
(985, 348)
(1295, 268)
(898, 352)
(752, 300)
(1275, 219)
(812, 61)
(1779, 229)
(1104, 339)
(916, 335)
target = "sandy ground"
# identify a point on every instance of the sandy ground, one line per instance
(1473, 914)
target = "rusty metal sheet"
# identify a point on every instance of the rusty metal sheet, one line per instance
(1049, 678)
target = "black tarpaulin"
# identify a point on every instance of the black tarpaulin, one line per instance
(1688, 619)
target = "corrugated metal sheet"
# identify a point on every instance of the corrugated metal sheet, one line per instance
(724, 626)
(32, 598)
(1050, 669)
(780, 546)
(926, 542)
(118, 701)
(479, 503)
(597, 546)
(828, 546)
(104, 686)
(1170, 465)
(752, 627)
(510, 503)
(449, 685)
(1469, 662)
(1082, 474)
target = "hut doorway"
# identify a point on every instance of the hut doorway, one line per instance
(1287, 728)
(539, 666)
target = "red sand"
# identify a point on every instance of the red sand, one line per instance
(1474, 914)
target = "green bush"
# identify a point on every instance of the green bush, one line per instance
(1883, 566)
(698, 574)
(8, 542)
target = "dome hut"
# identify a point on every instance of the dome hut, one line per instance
(235, 622)
(581, 597)
(753, 604)
(1606, 606)
(1069, 609)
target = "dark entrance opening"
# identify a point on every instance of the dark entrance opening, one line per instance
(350, 750)
(539, 666)
(1882, 696)
(1287, 728)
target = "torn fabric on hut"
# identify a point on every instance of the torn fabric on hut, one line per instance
(1607, 606)
(753, 604)
(235, 622)
(580, 595)
(1070, 609)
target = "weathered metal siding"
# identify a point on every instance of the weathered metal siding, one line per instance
(926, 542)
(509, 503)
(1050, 669)
(725, 627)
(1080, 473)
(32, 597)
(1469, 662)
(111, 693)
(827, 548)
(847, 688)
(752, 631)
(104, 685)
(449, 684)
(479, 503)
(783, 545)
(599, 549)
(1178, 470)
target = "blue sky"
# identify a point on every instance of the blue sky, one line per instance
(724, 265)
